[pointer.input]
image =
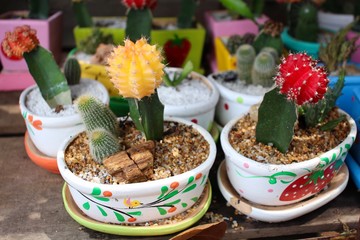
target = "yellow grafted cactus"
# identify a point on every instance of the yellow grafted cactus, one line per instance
(136, 69)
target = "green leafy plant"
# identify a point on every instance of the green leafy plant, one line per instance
(178, 77)
(246, 9)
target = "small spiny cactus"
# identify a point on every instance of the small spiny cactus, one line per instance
(91, 43)
(273, 53)
(72, 71)
(102, 144)
(95, 114)
(245, 56)
(263, 69)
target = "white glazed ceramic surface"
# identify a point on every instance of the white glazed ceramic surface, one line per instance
(48, 133)
(232, 104)
(275, 185)
(201, 113)
(155, 199)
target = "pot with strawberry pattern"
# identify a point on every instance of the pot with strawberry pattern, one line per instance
(283, 184)
(291, 146)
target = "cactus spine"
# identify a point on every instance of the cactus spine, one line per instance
(245, 56)
(72, 71)
(102, 144)
(263, 69)
(95, 114)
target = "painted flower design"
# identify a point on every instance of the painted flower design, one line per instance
(37, 124)
(136, 69)
(22, 39)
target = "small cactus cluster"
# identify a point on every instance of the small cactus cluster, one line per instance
(258, 69)
(236, 40)
(269, 36)
(136, 70)
(101, 126)
(91, 43)
(299, 81)
(23, 43)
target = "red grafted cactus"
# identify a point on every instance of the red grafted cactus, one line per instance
(22, 39)
(301, 80)
(140, 4)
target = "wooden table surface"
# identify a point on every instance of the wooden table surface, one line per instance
(31, 205)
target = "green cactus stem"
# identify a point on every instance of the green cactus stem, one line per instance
(148, 116)
(245, 56)
(83, 17)
(48, 76)
(95, 114)
(39, 9)
(277, 117)
(307, 24)
(72, 71)
(187, 13)
(138, 23)
(102, 144)
(263, 70)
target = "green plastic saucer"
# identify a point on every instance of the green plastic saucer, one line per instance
(116, 229)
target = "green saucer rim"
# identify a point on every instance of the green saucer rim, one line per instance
(137, 230)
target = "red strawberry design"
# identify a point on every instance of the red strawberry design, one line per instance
(310, 183)
(176, 50)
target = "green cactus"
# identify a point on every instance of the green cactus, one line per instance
(90, 44)
(72, 71)
(95, 114)
(273, 53)
(307, 24)
(82, 14)
(138, 23)
(269, 36)
(102, 144)
(187, 13)
(263, 70)
(48, 76)
(39, 9)
(245, 56)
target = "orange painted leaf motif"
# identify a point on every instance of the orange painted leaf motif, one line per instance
(30, 118)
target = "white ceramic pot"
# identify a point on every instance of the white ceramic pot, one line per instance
(48, 133)
(283, 184)
(201, 112)
(334, 21)
(104, 202)
(232, 104)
